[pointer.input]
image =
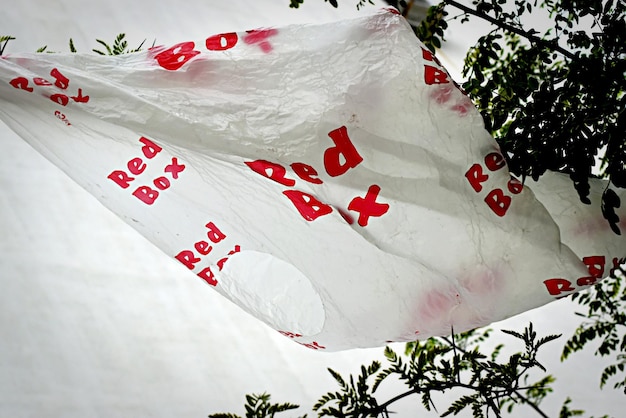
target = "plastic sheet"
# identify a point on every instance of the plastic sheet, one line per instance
(331, 180)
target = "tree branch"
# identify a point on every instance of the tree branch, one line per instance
(456, 363)
(384, 406)
(493, 406)
(515, 390)
(505, 26)
(531, 404)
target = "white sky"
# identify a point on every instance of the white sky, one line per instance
(97, 322)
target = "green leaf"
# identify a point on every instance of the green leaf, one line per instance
(338, 378)
(513, 333)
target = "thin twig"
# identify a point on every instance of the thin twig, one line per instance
(383, 407)
(532, 405)
(456, 362)
(510, 28)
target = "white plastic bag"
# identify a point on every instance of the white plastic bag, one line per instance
(331, 180)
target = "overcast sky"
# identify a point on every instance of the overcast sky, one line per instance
(97, 322)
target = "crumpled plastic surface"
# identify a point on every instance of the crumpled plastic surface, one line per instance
(331, 180)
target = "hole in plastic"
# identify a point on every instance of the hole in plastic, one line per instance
(274, 291)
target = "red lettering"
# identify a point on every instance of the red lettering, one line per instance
(187, 258)
(214, 234)
(494, 161)
(290, 334)
(21, 83)
(259, 37)
(427, 55)
(146, 194)
(309, 207)
(62, 117)
(475, 176)
(208, 276)
(80, 98)
(222, 41)
(498, 202)
(121, 178)
(595, 266)
(314, 345)
(61, 99)
(343, 149)
(41, 81)
(136, 166)
(61, 82)
(174, 168)
(557, 286)
(368, 207)
(515, 186)
(175, 57)
(272, 171)
(306, 173)
(161, 183)
(203, 247)
(149, 149)
(433, 75)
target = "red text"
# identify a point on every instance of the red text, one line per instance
(434, 74)
(595, 266)
(497, 199)
(314, 345)
(147, 193)
(338, 160)
(190, 257)
(175, 57)
(47, 89)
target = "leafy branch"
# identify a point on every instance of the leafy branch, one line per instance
(552, 108)
(437, 365)
(606, 321)
(259, 406)
(71, 46)
(441, 364)
(554, 100)
(528, 34)
(120, 46)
